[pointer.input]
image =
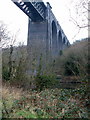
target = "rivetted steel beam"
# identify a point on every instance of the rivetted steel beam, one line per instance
(34, 10)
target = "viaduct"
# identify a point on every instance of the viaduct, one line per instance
(44, 32)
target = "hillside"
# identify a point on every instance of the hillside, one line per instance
(40, 95)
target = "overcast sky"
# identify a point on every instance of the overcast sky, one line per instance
(17, 21)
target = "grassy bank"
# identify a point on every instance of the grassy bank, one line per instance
(49, 103)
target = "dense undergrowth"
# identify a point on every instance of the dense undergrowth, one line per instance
(35, 96)
(49, 103)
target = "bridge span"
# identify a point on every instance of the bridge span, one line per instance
(45, 35)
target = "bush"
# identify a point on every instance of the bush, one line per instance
(14, 65)
(74, 60)
(71, 66)
(45, 81)
(5, 74)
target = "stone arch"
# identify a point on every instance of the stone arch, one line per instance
(60, 40)
(64, 40)
(54, 37)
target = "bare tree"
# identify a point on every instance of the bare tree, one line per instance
(4, 35)
(80, 16)
(82, 9)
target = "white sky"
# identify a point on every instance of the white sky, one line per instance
(17, 21)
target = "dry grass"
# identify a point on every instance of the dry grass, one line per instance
(9, 91)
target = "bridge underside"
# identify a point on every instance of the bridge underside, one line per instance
(34, 10)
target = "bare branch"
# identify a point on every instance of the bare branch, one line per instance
(76, 33)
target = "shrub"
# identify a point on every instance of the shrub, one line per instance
(45, 81)
(70, 65)
(74, 60)
(5, 74)
(14, 65)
